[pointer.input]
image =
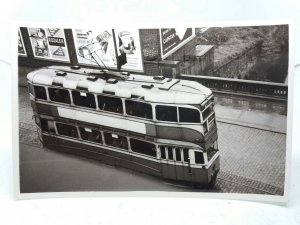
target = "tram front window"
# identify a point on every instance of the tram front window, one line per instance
(199, 158)
(212, 151)
(207, 112)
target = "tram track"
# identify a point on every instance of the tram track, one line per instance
(249, 126)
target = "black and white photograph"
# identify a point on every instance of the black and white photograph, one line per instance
(174, 110)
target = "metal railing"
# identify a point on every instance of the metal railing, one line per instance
(255, 88)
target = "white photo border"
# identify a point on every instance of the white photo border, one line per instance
(250, 197)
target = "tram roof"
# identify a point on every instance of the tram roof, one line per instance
(161, 90)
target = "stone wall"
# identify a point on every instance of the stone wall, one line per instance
(238, 65)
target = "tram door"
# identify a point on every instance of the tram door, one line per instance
(179, 163)
(167, 164)
(172, 164)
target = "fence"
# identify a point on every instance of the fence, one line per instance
(255, 88)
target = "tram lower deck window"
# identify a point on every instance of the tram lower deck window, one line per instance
(189, 115)
(84, 99)
(199, 158)
(110, 104)
(115, 140)
(139, 109)
(67, 130)
(90, 135)
(143, 147)
(185, 155)
(59, 95)
(40, 92)
(178, 154)
(170, 153)
(163, 152)
(47, 126)
(166, 113)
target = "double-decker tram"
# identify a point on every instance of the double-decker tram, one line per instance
(160, 126)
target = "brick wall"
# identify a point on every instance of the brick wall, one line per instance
(150, 41)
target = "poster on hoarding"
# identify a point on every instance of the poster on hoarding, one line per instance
(174, 38)
(21, 47)
(129, 49)
(49, 43)
(95, 47)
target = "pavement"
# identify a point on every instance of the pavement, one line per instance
(251, 112)
(252, 154)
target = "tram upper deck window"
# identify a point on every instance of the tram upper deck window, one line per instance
(84, 99)
(30, 88)
(67, 130)
(115, 140)
(40, 92)
(143, 147)
(199, 158)
(166, 113)
(139, 109)
(207, 112)
(90, 135)
(189, 115)
(59, 95)
(110, 104)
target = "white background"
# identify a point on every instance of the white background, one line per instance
(128, 210)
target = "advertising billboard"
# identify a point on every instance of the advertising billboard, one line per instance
(49, 43)
(109, 48)
(95, 47)
(129, 49)
(174, 38)
(21, 47)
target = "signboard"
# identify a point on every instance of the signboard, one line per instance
(174, 38)
(21, 47)
(129, 49)
(95, 47)
(105, 48)
(49, 43)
